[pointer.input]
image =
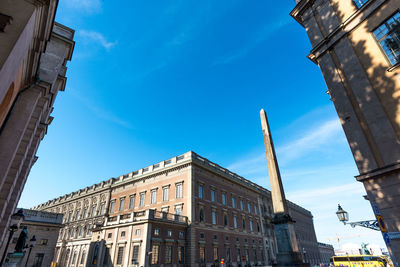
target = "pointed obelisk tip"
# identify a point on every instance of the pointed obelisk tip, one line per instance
(262, 111)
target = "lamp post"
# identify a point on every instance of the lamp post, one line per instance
(13, 228)
(31, 245)
(343, 216)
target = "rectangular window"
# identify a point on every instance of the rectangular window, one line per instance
(215, 253)
(181, 255)
(120, 255)
(153, 197)
(251, 225)
(165, 193)
(135, 254)
(138, 232)
(255, 210)
(179, 190)
(234, 221)
(214, 217)
(84, 214)
(388, 36)
(156, 231)
(228, 254)
(131, 202)
(238, 256)
(102, 205)
(141, 199)
(241, 204)
(201, 193)
(112, 206)
(121, 204)
(212, 195)
(233, 202)
(224, 198)
(359, 3)
(38, 260)
(249, 207)
(168, 254)
(154, 255)
(77, 215)
(93, 213)
(178, 210)
(202, 255)
(69, 216)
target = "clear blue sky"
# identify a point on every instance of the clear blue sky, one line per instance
(150, 80)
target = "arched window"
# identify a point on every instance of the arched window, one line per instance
(83, 257)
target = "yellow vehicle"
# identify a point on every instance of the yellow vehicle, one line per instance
(360, 261)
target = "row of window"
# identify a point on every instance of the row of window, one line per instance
(257, 254)
(76, 232)
(142, 197)
(169, 251)
(214, 220)
(213, 194)
(85, 214)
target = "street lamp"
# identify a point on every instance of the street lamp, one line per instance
(343, 216)
(31, 245)
(13, 228)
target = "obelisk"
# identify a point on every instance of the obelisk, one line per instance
(288, 251)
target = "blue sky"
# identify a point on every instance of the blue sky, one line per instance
(150, 80)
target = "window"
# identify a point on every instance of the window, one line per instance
(112, 206)
(255, 210)
(93, 213)
(244, 223)
(238, 257)
(123, 234)
(179, 191)
(388, 36)
(165, 193)
(235, 221)
(178, 210)
(168, 254)
(359, 3)
(169, 233)
(201, 215)
(38, 260)
(154, 255)
(212, 195)
(251, 225)
(233, 202)
(120, 255)
(225, 219)
(102, 208)
(44, 242)
(138, 232)
(153, 197)
(241, 204)
(214, 217)
(77, 215)
(258, 227)
(247, 254)
(131, 201)
(181, 255)
(156, 231)
(249, 207)
(69, 216)
(165, 209)
(181, 234)
(121, 204)
(74, 258)
(201, 235)
(141, 199)
(201, 193)
(202, 254)
(83, 257)
(215, 250)
(223, 198)
(109, 235)
(84, 213)
(135, 254)
(228, 254)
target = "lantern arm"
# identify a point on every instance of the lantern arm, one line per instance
(371, 224)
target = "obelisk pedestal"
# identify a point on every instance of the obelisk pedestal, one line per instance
(288, 250)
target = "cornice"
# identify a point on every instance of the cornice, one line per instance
(299, 9)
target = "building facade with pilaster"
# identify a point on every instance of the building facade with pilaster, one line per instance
(33, 55)
(185, 211)
(356, 44)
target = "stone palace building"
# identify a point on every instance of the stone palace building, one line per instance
(185, 211)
